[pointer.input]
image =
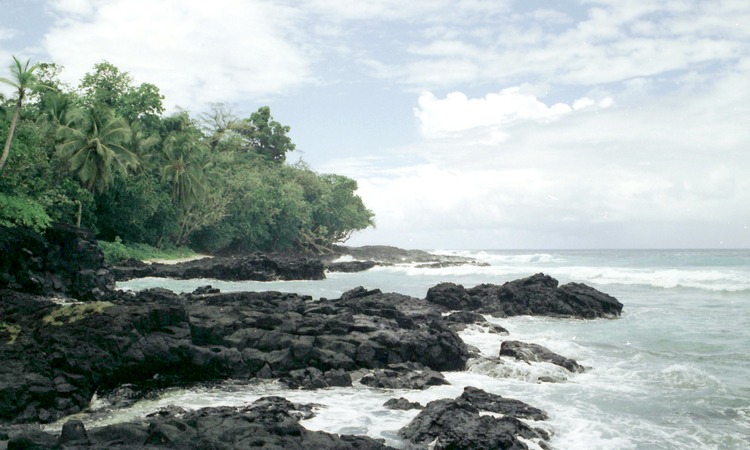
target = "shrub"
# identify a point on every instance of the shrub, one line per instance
(22, 212)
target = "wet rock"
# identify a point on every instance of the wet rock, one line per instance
(452, 296)
(359, 292)
(465, 317)
(205, 290)
(535, 295)
(393, 255)
(402, 404)
(351, 266)
(497, 329)
(73, 433)
(312, 378)
(534, 352)
(32, 440)
(459, 320)
(154, 338)
(404, 376)
(485, 401)
(270, 422)
(464, 422)
(256, 267)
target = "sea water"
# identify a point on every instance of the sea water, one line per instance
(673, 372)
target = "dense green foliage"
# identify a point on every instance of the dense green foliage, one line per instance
(24, 212)
(117, 251)
(104, 155)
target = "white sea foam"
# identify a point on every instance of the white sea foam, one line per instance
(707, 279)
(504, 258)
(519, 370)
(344, 258)
(718, 280)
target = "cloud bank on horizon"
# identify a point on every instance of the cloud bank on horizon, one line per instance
(468, 124)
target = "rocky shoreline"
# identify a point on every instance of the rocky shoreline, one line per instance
(284, 267)
(58, 353)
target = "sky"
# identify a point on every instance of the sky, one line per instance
(468, 124)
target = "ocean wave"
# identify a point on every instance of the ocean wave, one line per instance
(682, 376)
(518, 370)
(707, 279)
(727, 280)
(506, 258)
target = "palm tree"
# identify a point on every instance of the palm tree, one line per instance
(142, 144)
(183, 166)
(23, 79)
(95, 142)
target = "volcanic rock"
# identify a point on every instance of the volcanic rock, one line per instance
(56, 356)
(402, 404)
(350, 266)
(404, 376)
(63, 261)
(535, 295)
(535, 352)
(255, 267)
(269, 422)
(464, 422)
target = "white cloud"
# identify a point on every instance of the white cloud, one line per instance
(196, 52)
(7, 33)
(400, 10)
(75, 8)
(456, 112)
(614, 42)
(670, 171)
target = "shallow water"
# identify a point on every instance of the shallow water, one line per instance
(672, 373)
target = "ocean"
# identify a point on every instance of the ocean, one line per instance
(673, 372)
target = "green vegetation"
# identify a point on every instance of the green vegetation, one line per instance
(70, 313)
(117, 251)
(103, 155)
(23, 80)
(11, 330)
(22, 212)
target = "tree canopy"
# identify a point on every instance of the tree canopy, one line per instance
(104, 154)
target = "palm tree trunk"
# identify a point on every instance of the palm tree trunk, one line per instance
(78, 214)
(9, 139)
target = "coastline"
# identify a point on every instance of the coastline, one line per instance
(392, 332)
(176, 260)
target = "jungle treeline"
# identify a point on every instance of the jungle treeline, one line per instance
(104, 155)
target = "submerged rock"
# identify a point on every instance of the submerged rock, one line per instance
(404, 376)
(402, 404)
(535, 352)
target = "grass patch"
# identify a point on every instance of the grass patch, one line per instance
(12, 330)
(67, 314)
(115, 252)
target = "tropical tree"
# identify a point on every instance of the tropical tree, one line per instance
(23, 80)
(95, 144)
(140, 143)
(264, 136)
(183, 167)
(105, 85)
